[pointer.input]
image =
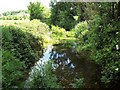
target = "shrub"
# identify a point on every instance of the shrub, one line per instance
(21, 48)
(81, 34)
(11, 69)
(20, 43)
(58, 32)
(104, 39)
(43, 77)
(78, 83)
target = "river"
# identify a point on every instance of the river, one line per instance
(70, 65)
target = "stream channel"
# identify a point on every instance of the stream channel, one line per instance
(71, 65)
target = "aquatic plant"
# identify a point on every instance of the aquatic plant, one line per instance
(42, 77)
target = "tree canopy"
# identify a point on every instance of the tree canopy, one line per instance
(36, 10)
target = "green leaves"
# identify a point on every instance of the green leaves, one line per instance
(82, 35)
(62, 14)
(21, 48)
(36, 10)
(11, 69)
(101, 37)
(78, 83)
(42, 76)
(103, 45)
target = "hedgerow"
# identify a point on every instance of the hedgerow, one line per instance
(101, 39)
(22, 45)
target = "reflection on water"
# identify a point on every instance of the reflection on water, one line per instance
(68, 65)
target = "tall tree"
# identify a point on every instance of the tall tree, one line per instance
(36, 10)
(62, 14)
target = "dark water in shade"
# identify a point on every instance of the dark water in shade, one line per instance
(69, 65)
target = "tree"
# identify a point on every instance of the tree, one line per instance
(62, 14)
(103, 38)
(36, 10)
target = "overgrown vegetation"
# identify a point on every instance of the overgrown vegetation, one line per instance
(36, 10)
(104, 40)
(101, 36)
(90, 27)
(22, 47)
(78, 83)
(11, 69)
(43, 77)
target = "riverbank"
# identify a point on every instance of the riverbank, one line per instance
(67, 66)
(72, 58)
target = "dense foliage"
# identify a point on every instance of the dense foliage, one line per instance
(62, 14)
(94, 28)
(21, 48)
(11, 69)
(81, 34)
(105, 47)
(58, 33)
(43, 77)
(101, 37)
(36, 10)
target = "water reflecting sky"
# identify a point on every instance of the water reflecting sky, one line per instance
(67, 66)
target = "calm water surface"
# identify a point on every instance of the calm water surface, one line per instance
(69, 65)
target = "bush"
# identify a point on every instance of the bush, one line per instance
(11, 69)
(102, 40)
(78, 83)
(58, 33)
(81, 34)
(104, 37)
(42, 77)
(20, 43)
(21, 48)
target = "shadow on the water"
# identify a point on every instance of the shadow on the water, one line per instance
(68, 65)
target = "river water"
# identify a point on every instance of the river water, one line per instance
(70, 65)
